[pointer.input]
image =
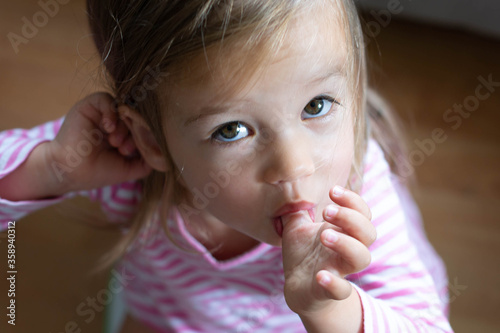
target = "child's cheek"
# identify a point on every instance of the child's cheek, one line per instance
(336, 157)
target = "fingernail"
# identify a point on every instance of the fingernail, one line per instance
(325, 279)
(338, 190)
(331, 236)
(331, 210)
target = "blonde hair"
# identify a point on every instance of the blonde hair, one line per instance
(137, 38)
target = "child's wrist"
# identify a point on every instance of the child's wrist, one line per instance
(320, 310)
(335, 316)
(51, 170)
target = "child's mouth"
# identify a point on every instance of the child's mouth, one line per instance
(278, 226)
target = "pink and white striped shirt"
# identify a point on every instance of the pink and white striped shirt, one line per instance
(183, 288)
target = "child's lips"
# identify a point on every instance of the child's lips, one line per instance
(278, 226)
(293, 207)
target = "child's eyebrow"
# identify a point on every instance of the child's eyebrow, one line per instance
(324, 76)
(205, 112)
(213, 110)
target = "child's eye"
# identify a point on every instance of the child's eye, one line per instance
(319, 106)
(230, 132)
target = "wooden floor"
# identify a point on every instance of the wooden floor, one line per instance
(422, 70)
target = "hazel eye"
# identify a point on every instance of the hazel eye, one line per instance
(318, 106)
(230, 132)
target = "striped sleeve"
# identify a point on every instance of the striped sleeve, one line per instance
(396, 290)
(118, 202)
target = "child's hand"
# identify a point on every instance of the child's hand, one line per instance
(315, 267)
(93, 148)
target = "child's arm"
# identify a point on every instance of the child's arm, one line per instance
(67, 157)
(31, 179)
(394, 293)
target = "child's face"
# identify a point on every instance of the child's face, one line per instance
(283, 139)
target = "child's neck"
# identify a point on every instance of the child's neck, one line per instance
(222, 241)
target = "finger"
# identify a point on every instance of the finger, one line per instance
(102, 111)
(126, 168)
(108, 122)
(295, 228)
(350, 199)
(335, 286)
(297, 218)
(117, 137)
(355, 256)
(352, 222)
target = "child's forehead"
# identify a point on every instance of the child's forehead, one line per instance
(315, 36)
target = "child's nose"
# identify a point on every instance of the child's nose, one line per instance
(290, 160)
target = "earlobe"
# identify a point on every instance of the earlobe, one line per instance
(143, 138)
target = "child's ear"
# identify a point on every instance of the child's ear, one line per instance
(143, 138)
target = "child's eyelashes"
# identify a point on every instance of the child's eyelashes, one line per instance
(230, 132)
(319, 106)
(234, 131)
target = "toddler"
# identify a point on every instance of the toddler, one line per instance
(240, 151)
